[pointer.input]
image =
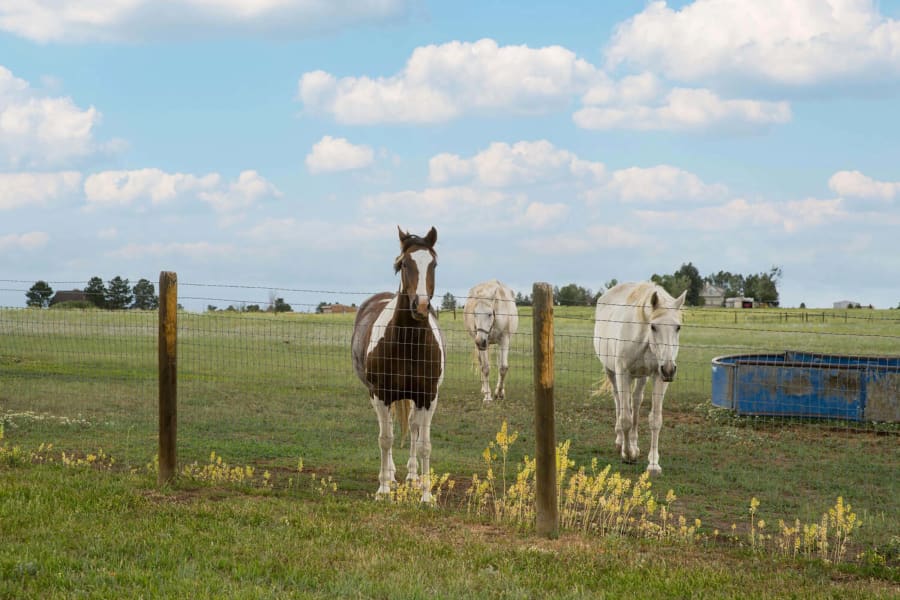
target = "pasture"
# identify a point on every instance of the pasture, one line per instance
(271, 390)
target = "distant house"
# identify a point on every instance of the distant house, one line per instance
(842, 304)
(337, 309)
(70, 296)
(739, 302)
(713, 295)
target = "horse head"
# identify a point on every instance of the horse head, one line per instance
(665, 325)
(484, 321)
(416, 265)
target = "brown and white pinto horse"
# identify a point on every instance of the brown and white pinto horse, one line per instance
(398, 354)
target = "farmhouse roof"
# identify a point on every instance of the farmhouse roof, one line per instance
(68, 296)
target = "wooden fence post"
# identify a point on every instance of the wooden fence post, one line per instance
(168, 374)
(546, 501)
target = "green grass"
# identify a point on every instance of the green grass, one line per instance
(267, 390)
(95, 534)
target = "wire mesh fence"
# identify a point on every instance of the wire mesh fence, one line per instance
(268, 388)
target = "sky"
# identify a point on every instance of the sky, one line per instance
(260, 146)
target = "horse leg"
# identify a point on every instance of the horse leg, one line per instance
(421, 447)
(637, 397)
(659, 392)
(503, 367)
(412, 465)
(611, 377)
(386, 442)
(624, 408)
(484, 359)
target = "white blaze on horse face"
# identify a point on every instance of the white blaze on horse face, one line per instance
(422, 258)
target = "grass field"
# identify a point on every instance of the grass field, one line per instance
(267, 391)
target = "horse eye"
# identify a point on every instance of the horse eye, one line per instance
(678, 328)
(653, 327)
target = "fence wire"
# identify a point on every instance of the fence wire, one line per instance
(269, 388)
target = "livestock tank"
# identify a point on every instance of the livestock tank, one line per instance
(803, 384)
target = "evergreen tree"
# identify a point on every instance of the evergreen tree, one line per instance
(448, 302)
(39, 295)
(145, 297)
(118, 294)
(96, 292)
(282, 306)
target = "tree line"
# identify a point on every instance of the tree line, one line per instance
(115, 294)
(762, 287)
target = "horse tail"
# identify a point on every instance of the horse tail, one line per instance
(603, 387)
(401, 409)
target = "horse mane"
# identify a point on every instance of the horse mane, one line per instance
(641, 296)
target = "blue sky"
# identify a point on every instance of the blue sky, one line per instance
(278, 144)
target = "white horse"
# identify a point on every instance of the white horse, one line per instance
(490, 316)
(636, 331)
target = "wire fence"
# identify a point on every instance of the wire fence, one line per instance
(271, 387)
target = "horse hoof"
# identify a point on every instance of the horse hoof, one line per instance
(384, 491)
(654, 470)
(628, 460)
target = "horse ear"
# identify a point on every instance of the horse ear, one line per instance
(654, 301)
(431, 238)
(403, 235)
(680, 299)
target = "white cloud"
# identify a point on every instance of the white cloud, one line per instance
(657, 184)
(23, 241)
(441, 82)
(856, 185)
(197, 251)
(796, 43)
(539, 215)
(36, 189)
(249, 188)
(739, 214)
(129, 20)
(124, 188)
(471, 209)
(337, 154)
(137, 187)
(503, 165)
(592, 238)
(43, 131)
(681, 109)
(313, 234)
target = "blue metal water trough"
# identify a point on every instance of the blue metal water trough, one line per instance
(802, 384)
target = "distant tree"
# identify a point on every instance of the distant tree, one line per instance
(674, 284)
(118, 293)
(695, 283)
(96, 292)
(448, 302)
(573, 295)
(231, 308)
(763, 287)
(321, 307)
(803, 305)
(523, 300)
(39, 294)
(731, 283)
(211, 308)
(282, 306)
(145, 297)
(254, 308)
(610, 284)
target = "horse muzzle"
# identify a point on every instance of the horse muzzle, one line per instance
(420, 310)
(667, 372)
